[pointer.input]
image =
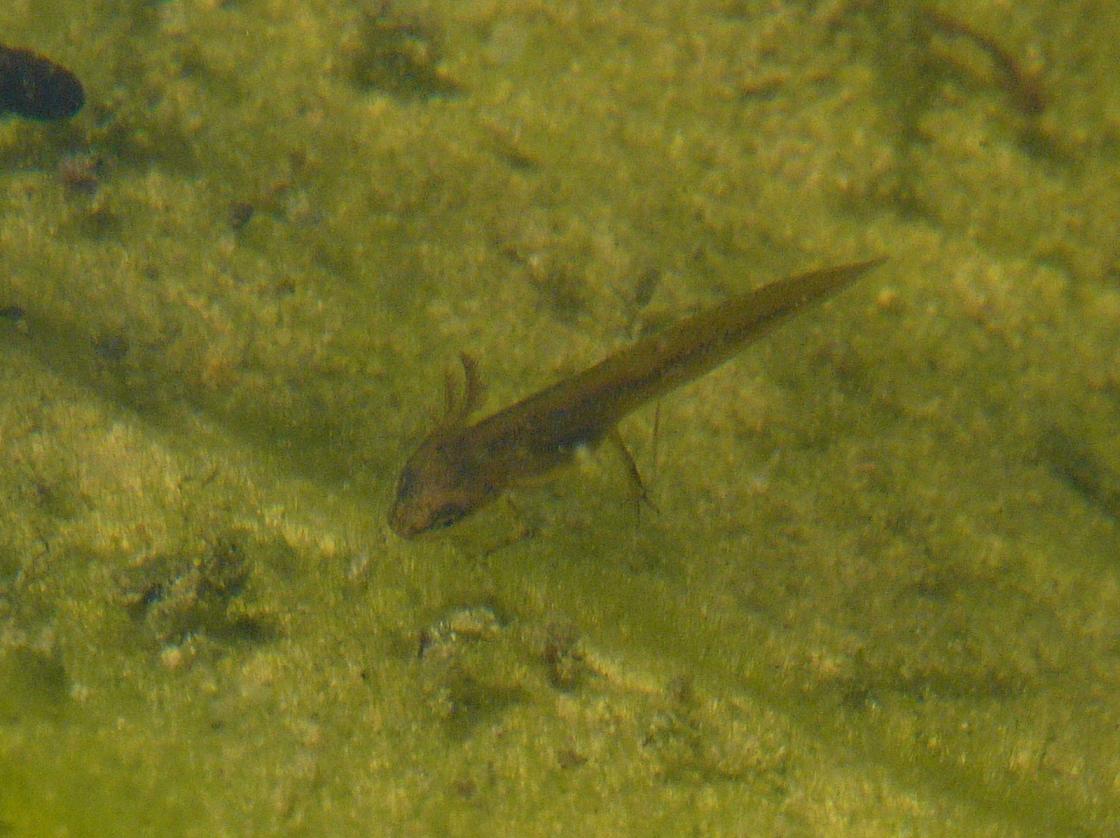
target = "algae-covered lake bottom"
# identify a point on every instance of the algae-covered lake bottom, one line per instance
(880, 591)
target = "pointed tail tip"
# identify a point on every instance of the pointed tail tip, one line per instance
(845, 275)
(866, 265)
(824, 282)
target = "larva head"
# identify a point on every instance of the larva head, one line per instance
(436, 489)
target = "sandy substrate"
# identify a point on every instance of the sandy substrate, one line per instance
(881, 592)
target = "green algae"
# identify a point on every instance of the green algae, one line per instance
(880, 594)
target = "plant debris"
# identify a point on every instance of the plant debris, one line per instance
(178, 595)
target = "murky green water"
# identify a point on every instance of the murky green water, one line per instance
(881, 594)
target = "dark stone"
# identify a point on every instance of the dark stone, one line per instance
(36, 87)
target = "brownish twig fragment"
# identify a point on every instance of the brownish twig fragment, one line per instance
(1022, 85)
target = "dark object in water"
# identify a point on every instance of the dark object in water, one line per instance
(37, 88)
(1074, 461)
(112, 346)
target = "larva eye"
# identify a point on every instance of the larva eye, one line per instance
(447, 515)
